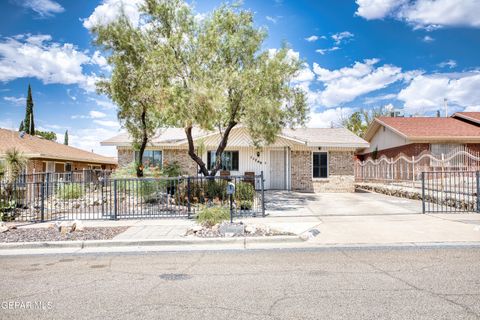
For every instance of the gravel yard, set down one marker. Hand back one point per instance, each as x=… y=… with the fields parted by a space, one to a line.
x=52 y=234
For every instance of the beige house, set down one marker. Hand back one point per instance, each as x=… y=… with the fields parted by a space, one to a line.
x=49 y=156
x=308 y=159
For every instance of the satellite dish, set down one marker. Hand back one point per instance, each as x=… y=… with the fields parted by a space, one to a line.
x=21 y=134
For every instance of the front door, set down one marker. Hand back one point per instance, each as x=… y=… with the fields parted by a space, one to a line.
x=277 y=169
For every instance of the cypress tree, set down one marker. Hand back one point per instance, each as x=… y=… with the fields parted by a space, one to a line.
x=28 y=123
x=21 y=128
x=65 y=139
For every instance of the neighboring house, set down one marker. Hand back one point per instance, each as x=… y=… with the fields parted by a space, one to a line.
x=392 y=136
x=307 y=159
x=49 y=156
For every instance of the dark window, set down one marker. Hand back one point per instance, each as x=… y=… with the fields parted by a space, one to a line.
x=320 y=165
x=229 y=160
x=68 y=167
x=151 y=158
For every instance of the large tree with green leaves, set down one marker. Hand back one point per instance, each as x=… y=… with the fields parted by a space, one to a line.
x=359 y=121
x=65 y=138
x=29 y=123
x=132 y=82
x=215 y=75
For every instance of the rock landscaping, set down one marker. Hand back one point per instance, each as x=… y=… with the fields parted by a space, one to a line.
x=67 y=230
x=237 y=229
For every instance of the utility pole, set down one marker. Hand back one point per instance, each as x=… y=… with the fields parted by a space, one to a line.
x=446 y=107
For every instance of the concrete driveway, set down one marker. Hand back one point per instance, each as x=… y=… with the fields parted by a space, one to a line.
x=366 y=218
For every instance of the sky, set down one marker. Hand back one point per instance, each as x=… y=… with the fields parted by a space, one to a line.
x=403 y=55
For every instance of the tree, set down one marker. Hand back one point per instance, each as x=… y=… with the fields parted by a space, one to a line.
x=212 y=74
x=132 y=84
x=28 y=123
x=48 y=135
x=65 y=138
x=359 y=121
x=15 y=162
x=21 y=127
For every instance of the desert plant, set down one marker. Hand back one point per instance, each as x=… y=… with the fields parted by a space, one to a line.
x=67 y=191
x=2 y=170
x=215 y=189
x=15 y=164
x=246 y=205
x=171 y=169
x=210 y=216
x=244 y=191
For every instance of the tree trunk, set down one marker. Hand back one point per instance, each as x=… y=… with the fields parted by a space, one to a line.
x=143 y=145
x=192 y=153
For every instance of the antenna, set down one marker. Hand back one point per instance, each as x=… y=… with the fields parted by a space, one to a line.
x=446 y=106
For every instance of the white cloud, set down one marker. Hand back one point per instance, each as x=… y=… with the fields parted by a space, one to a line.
x=36 y=56
x=314 y=38
x=426 y=92
x=328 y=118
x=448 y=63
x=428 y=39
x=89 y=139
x=44 y=8
x=110 y=10
x=342 y=37
x=18 y=101
x=429 y=14
x=107 y=123
x=271 y=19
x=346 y=84
x=105 y=104
x=376 y=99
x=101 y=61
x=324 y=51
x=96 y=114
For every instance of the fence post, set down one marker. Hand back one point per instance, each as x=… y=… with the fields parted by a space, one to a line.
x=423 y=192
x=115 y=207
x=42 y=200
x=188 y=197
x=478 y=190
x=263 y=193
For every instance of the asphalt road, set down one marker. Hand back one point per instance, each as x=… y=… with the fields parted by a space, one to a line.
x=293 y=284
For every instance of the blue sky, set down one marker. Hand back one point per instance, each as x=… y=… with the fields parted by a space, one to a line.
x=404 y=54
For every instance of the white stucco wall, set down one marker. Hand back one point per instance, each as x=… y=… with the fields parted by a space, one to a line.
x=385 y=138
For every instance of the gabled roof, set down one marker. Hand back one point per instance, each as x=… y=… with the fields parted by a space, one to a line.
x=35 y=147
x=469 y=116
x=334 y=137
x=427 y=128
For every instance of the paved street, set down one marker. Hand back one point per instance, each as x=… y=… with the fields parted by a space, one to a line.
x=291 y=284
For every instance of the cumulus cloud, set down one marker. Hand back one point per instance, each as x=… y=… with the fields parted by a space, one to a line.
x=38 y=57
x=342 y=37
x=426 y=93
x=18 y=101
x=110 y=10
x=89 y=139
x=448 y=63
x=429 y=14
x=329 y=117
x=345 y=84
x=45 y=8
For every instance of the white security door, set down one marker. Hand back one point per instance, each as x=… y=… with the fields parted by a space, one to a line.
x=277 y=169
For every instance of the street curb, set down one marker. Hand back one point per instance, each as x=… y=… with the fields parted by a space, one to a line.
x=81 y=244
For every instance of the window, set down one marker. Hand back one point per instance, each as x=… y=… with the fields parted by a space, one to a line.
x=68 y=167
x=320 y=165
x=229 y=160
x=151 y=158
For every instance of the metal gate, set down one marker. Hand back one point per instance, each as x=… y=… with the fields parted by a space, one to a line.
x=450 y=192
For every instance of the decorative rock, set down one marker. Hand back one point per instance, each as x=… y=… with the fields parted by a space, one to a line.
x=77 y=226
x=196 y=228
x=250 y=228
x=3 y=227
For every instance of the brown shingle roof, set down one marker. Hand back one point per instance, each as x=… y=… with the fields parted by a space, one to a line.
x=426 y=127
x=35 y=147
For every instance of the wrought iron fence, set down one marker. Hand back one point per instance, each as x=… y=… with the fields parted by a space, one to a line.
x=106 y=198
x=87 y=175
x=450 y=191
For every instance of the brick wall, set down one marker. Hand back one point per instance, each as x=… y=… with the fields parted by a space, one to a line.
x=301 y=171
x=34 y=165
x=412 y=149
x=125 y=157
x=181 y=156
x=340 y=179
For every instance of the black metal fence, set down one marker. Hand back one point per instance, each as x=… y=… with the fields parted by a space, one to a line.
x=133 y=198
x=86 y=175
x=450 y=192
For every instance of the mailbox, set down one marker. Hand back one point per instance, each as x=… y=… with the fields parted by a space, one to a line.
x=230 y=188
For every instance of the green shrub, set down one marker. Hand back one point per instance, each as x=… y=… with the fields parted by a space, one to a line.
x=69 y=191
x=171 y=170
x=244 y=191
x=246 y=205
x=210 y=216
x=215 y=189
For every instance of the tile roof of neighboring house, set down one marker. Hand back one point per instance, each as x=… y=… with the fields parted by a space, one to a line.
x=310 y=136
x=35 y=147
x=470 y=116
x=425 y=128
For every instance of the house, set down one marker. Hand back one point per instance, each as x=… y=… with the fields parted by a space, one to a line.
x=308 y=159
x=392 y=136
x=49 y=156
